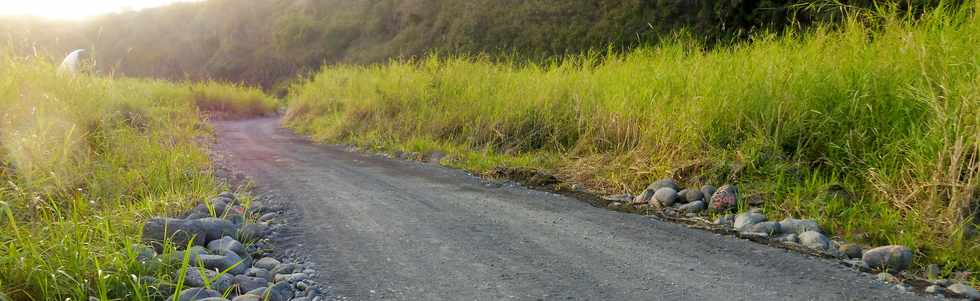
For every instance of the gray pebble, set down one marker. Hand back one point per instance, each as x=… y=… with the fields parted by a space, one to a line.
x=666 y=196
x=788 y=238
x=268 y=216
x=814 y=240
x=690 y=195
x=707 y=191
x=216 y=228
x=247 y=297
x=291 y=278
x=767 y=228
x=259 y=273
x=251 y=232
x=693 y=207
x=195 y=294
x=851 y=250
x=743 y=220
x=227 y=260
x=724 y=199
x=894 y=258
x=663 y=183
x=644 y=196
x=248 y=283
x=227 y=244
x=285 y=268
x=267 y=263
x=798 y=226
x=219 y=283
x=178 y=232
x=965 y=290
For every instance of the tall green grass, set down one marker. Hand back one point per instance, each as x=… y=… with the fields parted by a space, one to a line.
x=84 y=160
x=882 y=105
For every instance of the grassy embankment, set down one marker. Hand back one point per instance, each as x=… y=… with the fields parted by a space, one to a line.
x=83 y=161
x=886 y=107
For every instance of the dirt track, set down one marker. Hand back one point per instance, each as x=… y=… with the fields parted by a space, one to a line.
x=383 y=229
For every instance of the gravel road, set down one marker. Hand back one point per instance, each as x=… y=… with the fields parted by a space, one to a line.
x=382 y=229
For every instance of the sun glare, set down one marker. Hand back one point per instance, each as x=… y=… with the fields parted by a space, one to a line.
x=74 y=9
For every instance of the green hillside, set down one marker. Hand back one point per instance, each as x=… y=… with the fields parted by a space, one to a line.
x=266 y=42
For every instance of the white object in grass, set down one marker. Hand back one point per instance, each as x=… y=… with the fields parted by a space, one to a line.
x=70 y=64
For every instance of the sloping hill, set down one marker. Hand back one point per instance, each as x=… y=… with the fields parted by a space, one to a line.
x=267 y=41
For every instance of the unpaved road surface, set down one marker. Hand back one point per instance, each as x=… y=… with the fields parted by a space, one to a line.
x=381 y=229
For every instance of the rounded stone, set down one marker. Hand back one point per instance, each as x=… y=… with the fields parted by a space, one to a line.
x=285 y=268
x=965 y=290
x=216 y=228
x=247 y=283
x=247 y=297
x=259 y=273
x=267 y=263
x=746 y=219
x=195 y=294
x=788 y=238
x=177 y=232
x=851 y=250
x=665 y=196
x=663 y=183
x=690 y=195
x=644 y=196
x=251 y=232
x=194 y=278
x=693 y=207
x=725 y=199
x=226 y=243
x=894 y=258
x=792 y=225
x=291 y=278
x=228 y=260
x=814 y=240
x=268 y=216
x=708 y=190
x=767 y=228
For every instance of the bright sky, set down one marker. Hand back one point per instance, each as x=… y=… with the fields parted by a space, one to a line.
x=74 y=9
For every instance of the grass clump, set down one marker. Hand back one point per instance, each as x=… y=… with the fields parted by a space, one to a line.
x=232 y=101
x=883 y=107
x=84 y=160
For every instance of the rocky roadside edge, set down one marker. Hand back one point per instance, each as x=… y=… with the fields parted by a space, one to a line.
x=666 y=200
x=229 y=254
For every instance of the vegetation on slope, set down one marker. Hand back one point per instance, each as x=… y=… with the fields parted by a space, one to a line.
x=83 y=161
x=883 y=106
x=269 y=41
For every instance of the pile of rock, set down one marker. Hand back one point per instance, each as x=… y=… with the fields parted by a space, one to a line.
x=808 y=234
x=667 y=195
x=225 y=245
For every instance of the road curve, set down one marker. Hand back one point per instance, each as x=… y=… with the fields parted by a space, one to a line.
x=381 y=229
